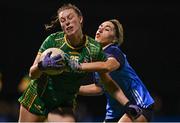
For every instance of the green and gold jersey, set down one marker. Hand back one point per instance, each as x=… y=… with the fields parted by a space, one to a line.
x=60 y=90
x=90 y=51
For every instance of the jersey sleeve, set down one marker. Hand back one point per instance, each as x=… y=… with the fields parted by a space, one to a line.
x=116 y=53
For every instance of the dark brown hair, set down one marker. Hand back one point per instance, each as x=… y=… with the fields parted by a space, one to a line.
x=55 y=21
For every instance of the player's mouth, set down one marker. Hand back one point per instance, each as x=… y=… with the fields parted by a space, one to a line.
x=97 y=35
x=70 y=28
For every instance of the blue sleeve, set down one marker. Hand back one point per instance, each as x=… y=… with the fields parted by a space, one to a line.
x=115 y=52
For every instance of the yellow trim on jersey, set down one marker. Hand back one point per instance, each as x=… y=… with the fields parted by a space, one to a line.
x=65 y=39
x=31 y=102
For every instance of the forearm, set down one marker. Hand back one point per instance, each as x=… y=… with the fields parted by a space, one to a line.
x=34 y=71
x=94 y=66
x=114 y=89
x=110 y=65
x=90 y=90
x=107 y=66
x=120 y=97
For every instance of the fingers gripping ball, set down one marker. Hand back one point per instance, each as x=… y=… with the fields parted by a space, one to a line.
x=52 y=61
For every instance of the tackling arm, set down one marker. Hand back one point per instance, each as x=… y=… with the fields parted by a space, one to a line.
x=110 y=65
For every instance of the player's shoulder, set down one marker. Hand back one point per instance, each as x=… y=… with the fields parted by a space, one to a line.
x=93 y=43
x=114 y=47
x=57 y=35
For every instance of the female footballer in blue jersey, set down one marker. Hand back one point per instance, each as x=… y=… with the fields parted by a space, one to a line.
x=110 y=35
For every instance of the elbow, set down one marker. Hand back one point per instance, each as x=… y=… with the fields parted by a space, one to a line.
x=106 y=68
x=34 y=74
x=109 y=68
x=110 y=65
x=99 y=91
x=31 y=75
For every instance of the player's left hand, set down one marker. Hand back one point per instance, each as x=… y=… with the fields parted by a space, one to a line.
x=74 y=65
x=133 y=111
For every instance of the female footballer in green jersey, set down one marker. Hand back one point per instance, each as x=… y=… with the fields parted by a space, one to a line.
x=53 y=97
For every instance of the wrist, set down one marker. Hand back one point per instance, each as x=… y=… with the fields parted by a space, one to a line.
x=133 y=110
x=127 y=104
x=80 y=67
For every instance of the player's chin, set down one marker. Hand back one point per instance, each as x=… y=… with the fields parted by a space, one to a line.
x=97 y=39
x=70 y=33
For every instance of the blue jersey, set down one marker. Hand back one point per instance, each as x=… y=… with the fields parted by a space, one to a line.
x=129 y=82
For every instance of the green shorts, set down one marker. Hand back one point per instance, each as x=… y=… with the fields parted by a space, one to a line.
x=40 y=99
x=32 y=102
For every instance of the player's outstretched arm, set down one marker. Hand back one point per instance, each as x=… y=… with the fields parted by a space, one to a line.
x=107 y=66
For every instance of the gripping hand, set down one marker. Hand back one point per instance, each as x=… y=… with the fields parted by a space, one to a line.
x=51 y=62
x=73 y=64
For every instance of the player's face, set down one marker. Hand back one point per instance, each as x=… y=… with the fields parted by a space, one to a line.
x=105 y=33
x=70 y=21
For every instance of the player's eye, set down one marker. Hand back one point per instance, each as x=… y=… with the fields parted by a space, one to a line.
x=70 y=17
x=106 y=29
x=62 y=20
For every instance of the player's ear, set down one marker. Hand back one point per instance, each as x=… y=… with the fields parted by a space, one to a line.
x=81 y=19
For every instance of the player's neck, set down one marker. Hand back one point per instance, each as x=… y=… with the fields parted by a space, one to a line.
x=76 y=41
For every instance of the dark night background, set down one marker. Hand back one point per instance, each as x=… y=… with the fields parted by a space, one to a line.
x=151 y=44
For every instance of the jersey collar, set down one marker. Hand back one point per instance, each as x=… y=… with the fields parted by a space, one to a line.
x=107 y=46
x=75 y=48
